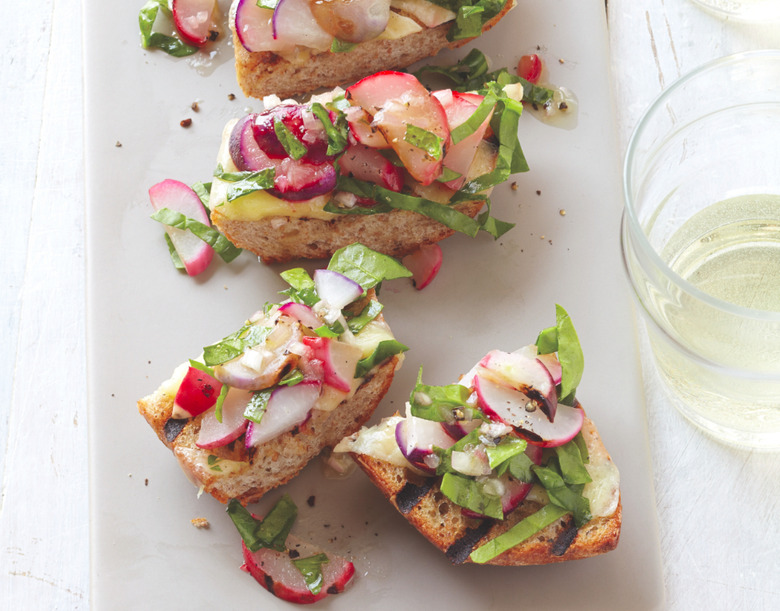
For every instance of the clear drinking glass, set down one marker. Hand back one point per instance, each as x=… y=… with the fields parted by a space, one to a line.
x=701 y=244
x=743 y=10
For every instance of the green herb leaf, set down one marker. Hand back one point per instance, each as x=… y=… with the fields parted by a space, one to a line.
x=438 y=403
x=507 y=448
x=233 y=345
x=466 y=492
x=569 y=497
x=246 y=182
x=172 y=45
x=272 y=531
x=573 y=469
x=384 y=350
x=289 y=142
x=175 y=258
x=425 y=140
x=518 y=533
x=369 y=313
x=269 y=4
x=203 y=191
x=365 y=266
x=341 y=46
x=477 y=118
x=466 y=70
x=220 y=402
x=255 y=409
x=447 y=174
x=311 y=569
x=213 y=462
x=211 y=236
x=337 y=133
x=292 y=378
x=520 y=468
x=301 y=286
x=562 y=338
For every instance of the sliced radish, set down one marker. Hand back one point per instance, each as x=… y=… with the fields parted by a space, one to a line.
x=197 y=392
x=294 y=23
x=368 y=164
x=288 y=407
x=299 y=180
x=461 y=428
x=254 y=27
x=427 y=13
x=524 y=373
x=416 y=438
x=530 y=68
x=301 y=123
x=352 y=20
x=244 y=149
x=302 y=313
x=276 y=572
x=336 y=289
x=514 y=491
x=361 y=129
x=174 y=195
x=373 y=91
x=512 y=407
x=214 y=434
x=553 y=366
x=424 y=264
x=338 y=359
x=196 y=20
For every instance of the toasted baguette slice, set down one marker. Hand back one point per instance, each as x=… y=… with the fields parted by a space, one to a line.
x=263 y=73
x=442 y=522
x=247 y=474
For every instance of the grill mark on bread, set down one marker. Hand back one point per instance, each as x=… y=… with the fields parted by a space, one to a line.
x=461 y=549
x=411 y=494
x=173 y=428
x=564 y=540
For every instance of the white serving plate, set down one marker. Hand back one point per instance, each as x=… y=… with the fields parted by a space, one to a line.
x=144 y=318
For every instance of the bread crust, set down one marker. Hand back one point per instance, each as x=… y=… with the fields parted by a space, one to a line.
x=278 y=239
x=263 y=73
x=444 y=525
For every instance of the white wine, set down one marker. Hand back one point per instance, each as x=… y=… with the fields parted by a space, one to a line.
x=729 y=253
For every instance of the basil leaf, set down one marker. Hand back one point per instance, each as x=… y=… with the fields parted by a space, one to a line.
x=547 y=341
x=203 y=191
x=573 y=469
x=466 y=492
x=341 y=46
x=471 y=67
x=365 y=266
x=445 y=455
x=292 y=378
x=518 y=533
x=246 y=524
x=311 y=569
x=569 y=355
x=568 y=497
x=172 y=45
x=175 y=258
x=583 y=447
x=439 y=403
x=424 y=140
x=492 y=225
x=384 y=350
x=233 y=345
x=326 y=331
x=289 y=142
x=507 y=448
x=213 y=463
x=337 y=133
x=477 y=118
x=468 y=22
x=220 y=401
x=269 y=4
x=211 y=236
x=272 y=531
x=369 y=313
x=448 y=174
x=520 y=468
x=257 y=405
x=246 y=182
x=301 y=286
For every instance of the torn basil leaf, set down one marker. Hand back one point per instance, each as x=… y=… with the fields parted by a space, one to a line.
x=365 y=266
x=466 y=492
x=221 y=245
x=384 y=350
x=255 y=409
x=311 y=569
x=172 y=45
x=337 y=133
x=424 y=140
x=287 y=139
x=369 y=313
x=246 y=182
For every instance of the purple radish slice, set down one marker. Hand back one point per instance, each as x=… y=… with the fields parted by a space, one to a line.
x=276 y=572
x=195 y=254
x=244 y=150
x=553 y=365
x=352 y=20
x=336 y=289
x=299 y=180
x=196 y=20
x=288 y=407
x=460 y=428
x=338 y=360
x=254 y=28
x=302 y=313
x=512 y=407
x=416 y=437
x=524 y=373
x=214 y=434
x=293 y=23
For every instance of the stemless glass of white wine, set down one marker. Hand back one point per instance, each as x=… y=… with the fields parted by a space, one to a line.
x=743 y=10
x=701 y=243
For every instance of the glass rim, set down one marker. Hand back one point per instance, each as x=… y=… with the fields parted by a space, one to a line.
x=633 y=226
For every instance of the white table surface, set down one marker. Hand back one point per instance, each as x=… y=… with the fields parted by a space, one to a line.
x=718 y=507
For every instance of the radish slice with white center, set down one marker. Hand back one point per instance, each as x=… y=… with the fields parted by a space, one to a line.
x=254 y=28
x=461 y=428
x=302 y=313
x=288 y=407
x=244 y=149
x=512 y=407
x=335 y=288
x=417 y=436
x=553 y=365
x=195 y=254
x=276 y=572
x=424 y=264
x=365 y=163
x=196 y=20
x=362 y=131
x=293 y=22
x=338 y=359
x=352 y=20
x=524 y=373
x=214 y=434
x=197 y=392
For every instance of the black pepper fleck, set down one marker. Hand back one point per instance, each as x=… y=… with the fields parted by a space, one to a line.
x=231 y=96
x=310 y=501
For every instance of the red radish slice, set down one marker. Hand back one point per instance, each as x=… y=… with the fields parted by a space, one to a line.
x=302 y=313
x=352 y=20
x=524 y=373
x=553 y=366
x=196 y=20
x=335 y=288
x=194 y=252
x=417 y=436
x=301 y=122
x=370 y=165
x=198 y=392
x=293 y=23
x=276 y=572
x=214 y=434
x=424 y=264
x=373 y=91
x=298 y=180
x=510 y=406
x=254 y=28
x=362 y=131
x=288 y=407
x=338 y=359
x=460 y=428
x=244 y=149
x=530 y=68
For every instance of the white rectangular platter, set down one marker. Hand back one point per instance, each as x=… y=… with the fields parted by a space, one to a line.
x=144 y=318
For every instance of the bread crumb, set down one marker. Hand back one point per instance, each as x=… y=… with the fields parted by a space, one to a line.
x=538 y=191
x=200 y=523
x=231 y=96
x=514 y=186
x=560 y=61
